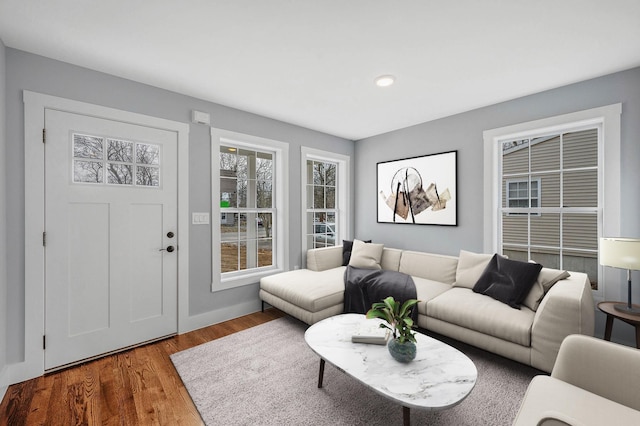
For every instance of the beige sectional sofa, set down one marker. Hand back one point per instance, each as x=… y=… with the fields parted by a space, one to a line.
x=531 y=335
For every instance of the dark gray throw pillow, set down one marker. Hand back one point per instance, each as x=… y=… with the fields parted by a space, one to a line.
x=508 y=281
x=347 y=247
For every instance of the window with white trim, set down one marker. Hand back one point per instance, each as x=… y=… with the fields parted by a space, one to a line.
x=247 y=211
x=321 y=203
x=249 y=215
x=560 y=229
x=325 y=205
x=570 y=220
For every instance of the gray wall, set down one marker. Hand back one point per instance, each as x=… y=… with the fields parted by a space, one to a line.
x=26 y=71
x=463 y=132
x=3 y=244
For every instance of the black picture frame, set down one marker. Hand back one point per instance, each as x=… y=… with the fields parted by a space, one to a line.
x=420 y=190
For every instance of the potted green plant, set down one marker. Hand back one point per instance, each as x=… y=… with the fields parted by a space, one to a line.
x=402 y=346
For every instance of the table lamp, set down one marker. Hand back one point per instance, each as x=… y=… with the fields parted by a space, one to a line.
x=622 y=253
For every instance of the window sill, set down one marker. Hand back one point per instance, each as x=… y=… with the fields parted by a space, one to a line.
x=227 y=283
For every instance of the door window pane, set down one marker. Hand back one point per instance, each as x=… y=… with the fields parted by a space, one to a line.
x=120 y=174
x=147 y=176
x=120 y=151
x=87 y=147
x=87 y=171
x=118 y=164
x=147 y=154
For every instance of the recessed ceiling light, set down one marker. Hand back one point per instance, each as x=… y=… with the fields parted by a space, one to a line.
x=385 y=80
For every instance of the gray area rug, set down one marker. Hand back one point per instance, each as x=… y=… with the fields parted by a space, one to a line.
x=267 y=375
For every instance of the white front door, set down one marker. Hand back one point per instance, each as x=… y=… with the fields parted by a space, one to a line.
x=110 y=241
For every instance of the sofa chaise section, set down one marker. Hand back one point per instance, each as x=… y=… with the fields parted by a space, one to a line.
x=308 y=295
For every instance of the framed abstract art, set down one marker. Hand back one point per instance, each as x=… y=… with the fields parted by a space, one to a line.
x=419 y=190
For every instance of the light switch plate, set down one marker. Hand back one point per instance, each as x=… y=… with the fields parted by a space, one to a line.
x=200 y=218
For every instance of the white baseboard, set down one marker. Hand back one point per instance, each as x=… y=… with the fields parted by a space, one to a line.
x=219 y=315
x=4 y=382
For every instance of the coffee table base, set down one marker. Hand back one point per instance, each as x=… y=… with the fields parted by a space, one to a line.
x=406 y=411
x=321 y=373
x=406 y=416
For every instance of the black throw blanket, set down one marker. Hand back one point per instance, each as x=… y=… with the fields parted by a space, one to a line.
x=364 y=287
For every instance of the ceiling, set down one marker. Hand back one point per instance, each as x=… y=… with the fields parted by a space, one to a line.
x=313 y=62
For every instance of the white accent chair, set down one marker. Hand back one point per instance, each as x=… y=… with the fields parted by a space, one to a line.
x=593 y=382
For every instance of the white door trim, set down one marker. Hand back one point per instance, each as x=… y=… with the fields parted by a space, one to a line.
x=34 y=107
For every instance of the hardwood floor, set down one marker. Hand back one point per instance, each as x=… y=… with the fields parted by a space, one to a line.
x=136 y=387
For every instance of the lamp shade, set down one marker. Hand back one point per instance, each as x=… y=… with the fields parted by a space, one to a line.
x=621 y=253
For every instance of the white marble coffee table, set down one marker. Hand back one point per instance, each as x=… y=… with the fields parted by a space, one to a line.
x=439 y=378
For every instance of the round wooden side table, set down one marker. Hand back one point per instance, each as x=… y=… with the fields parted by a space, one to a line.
x=634 y=320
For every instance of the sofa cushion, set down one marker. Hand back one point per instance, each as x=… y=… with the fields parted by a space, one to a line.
x=435 y=267
x=366 y=255
x=347 y=247
x=546 y=279
x=391 y=259
x=508 y=281
x=310 y=290
x=470 y=268
x=463 y=307
x=427 y=290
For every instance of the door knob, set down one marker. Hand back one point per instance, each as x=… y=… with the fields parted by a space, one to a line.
x=170 y=249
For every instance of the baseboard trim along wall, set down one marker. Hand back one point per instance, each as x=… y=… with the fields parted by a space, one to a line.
x=4 y=382
x=219 y=315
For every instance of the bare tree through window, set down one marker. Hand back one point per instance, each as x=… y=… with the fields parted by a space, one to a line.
x=247 y=203
x=321 y=204
x=120 y=165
